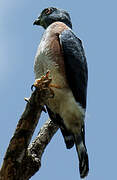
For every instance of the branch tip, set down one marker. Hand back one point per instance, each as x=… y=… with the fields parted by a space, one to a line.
x=27 y=100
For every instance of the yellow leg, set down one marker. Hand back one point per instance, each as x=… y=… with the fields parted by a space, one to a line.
x=45 y=81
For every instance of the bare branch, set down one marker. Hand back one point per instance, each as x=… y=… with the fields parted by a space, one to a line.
x=22 y=160
x=32 y=163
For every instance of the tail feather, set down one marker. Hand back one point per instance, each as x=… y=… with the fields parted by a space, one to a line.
x=82 y=155
x=68 y=138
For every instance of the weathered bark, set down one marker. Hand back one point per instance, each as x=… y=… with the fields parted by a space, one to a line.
x=36 y=149
x=22 y=160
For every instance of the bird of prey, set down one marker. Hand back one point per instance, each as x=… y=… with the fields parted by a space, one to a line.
x=62 y=53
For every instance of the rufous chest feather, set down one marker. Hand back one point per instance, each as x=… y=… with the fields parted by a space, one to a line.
x=50 y=56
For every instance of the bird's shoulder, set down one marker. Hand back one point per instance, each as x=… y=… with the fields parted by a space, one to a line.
x=57 y=28
x=50 y=40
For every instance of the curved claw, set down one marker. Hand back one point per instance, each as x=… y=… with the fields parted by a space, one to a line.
x=32 y=87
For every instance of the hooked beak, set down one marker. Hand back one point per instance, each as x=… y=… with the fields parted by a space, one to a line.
x=37 y=22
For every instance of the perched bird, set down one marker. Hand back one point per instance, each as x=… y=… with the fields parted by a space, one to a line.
x=62 y=53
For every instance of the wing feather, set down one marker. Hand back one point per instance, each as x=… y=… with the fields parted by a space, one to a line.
x=75 y=65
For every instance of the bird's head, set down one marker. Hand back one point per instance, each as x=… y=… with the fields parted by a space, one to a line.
x=51 y=15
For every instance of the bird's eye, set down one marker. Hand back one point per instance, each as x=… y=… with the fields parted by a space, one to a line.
x=48 y=11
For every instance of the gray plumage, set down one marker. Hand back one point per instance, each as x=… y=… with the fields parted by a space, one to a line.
x=62 y=53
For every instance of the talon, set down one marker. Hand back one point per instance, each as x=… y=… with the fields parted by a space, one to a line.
x=44 y=83
x=37 y=81
x=32 y=87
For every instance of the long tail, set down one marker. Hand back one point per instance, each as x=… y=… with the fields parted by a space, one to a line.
x=82 y=154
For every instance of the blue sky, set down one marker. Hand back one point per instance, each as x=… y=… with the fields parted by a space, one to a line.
x=94 y=22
